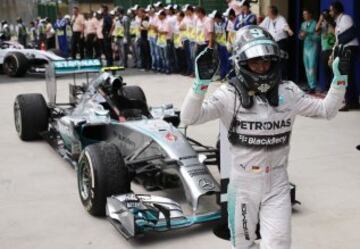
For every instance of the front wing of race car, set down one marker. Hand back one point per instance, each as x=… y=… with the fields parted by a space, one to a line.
x=134 y=214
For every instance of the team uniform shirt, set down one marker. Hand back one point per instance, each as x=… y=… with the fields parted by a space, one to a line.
x=178 y=35
x=189 y=24
x=231 y=32
x=171 y=20
x=50 y=32
x=92 y=26
x=78 y=23
x=119 y=30
x=60 y=26
x=86 y=27
x=163 y=26
x=204 y=28
x=153 y=20
x=343 y=23
x=220 y=33
x=135 y=27
x=276 y=27
x=243 y=20
x=99 y=28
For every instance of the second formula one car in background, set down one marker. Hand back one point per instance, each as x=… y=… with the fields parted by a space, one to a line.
x=16 y=60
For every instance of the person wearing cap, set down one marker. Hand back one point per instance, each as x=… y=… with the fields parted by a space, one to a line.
x=204 y=30
x=163 y=30
x=21 y=31
x=220 y=41
x=179 y=43
x=158 y=6
x=246 y=17
x=152 y=36
x=230 y=29
x=77 y=41
x=189 y=38
x=60 y=28
x=278 y=27
x=236 y=5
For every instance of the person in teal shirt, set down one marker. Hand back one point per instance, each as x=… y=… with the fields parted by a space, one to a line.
x=311 y=49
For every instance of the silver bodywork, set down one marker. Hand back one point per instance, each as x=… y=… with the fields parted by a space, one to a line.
x=146 y=141
x=30 y=54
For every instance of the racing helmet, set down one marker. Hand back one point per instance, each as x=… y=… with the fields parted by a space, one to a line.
x=255 y=42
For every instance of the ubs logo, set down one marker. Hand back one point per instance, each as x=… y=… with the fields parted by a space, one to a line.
x=206 y=184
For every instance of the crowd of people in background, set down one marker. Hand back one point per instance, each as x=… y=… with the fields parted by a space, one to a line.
x=167 y=38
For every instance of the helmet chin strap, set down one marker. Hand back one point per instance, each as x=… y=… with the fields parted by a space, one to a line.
x=247 y=97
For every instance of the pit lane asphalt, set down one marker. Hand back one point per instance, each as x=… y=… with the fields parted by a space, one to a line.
x=40 y=207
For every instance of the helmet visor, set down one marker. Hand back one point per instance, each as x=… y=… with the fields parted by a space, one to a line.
x=254 y=50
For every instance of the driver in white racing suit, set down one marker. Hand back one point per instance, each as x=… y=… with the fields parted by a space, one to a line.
x=259 y=110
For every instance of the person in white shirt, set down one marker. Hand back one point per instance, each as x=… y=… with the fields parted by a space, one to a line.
x=189 y=42
x=278 y=27
x=152 y=36
x=345 y=33
x=171 y=19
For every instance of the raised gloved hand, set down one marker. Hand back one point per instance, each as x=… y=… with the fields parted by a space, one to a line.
x=341 y=67
x=206 y=65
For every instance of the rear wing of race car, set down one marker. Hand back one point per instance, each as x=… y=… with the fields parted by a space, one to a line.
x=68 y=67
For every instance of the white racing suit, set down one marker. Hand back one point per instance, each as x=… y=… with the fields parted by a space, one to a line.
x=259 y=188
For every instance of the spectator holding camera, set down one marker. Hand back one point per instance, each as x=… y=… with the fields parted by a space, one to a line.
x=326 y=27
x=345 y=33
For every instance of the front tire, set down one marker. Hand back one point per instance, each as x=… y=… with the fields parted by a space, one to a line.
x=31 y=116
x=15 y=64
x=101 y=172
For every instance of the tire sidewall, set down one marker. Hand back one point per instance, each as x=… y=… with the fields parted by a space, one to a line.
x=6 y=68
x=95 y=197
x=105 y=181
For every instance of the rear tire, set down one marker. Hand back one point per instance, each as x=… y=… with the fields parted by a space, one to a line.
x=101 y=173
x=31 y=116
x=15 y=64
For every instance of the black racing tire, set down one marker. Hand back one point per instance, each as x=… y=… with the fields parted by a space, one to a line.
x=134 y=93
x=31 y=116
x=15 y=64
x=101 y=172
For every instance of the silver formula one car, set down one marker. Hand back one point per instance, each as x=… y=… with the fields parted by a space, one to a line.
x=16 y=60
x=111 y=136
